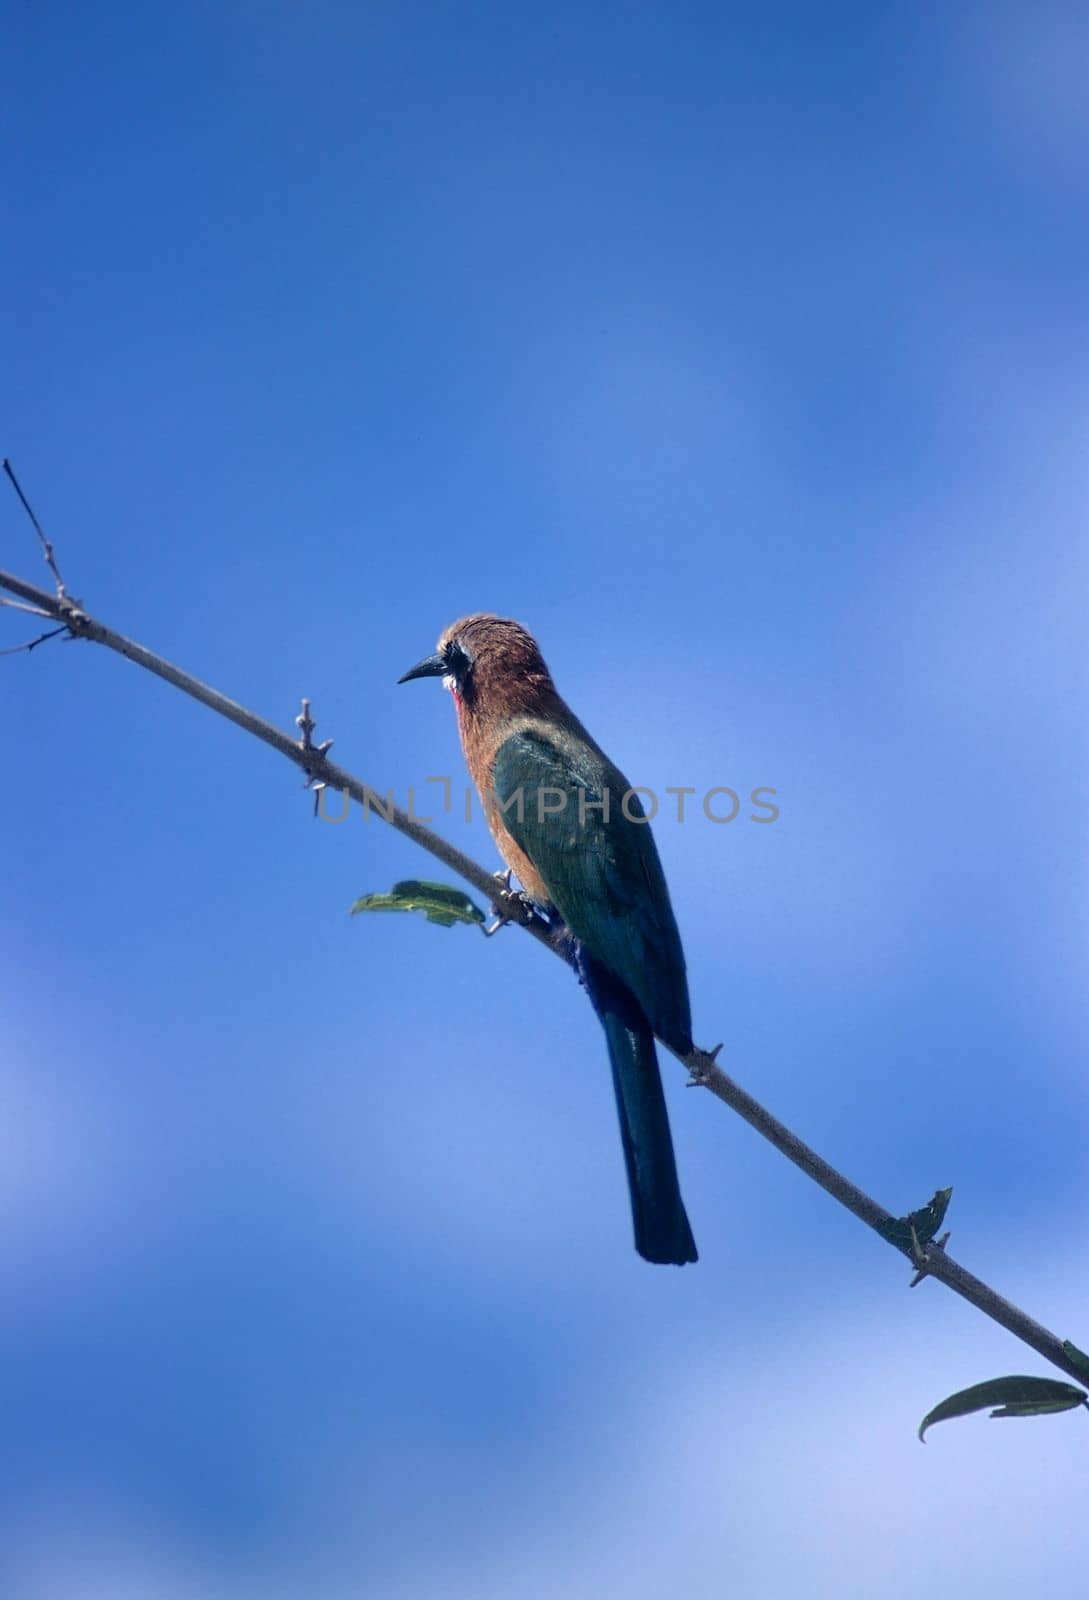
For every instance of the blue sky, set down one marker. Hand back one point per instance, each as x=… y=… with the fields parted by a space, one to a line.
x=743 y=357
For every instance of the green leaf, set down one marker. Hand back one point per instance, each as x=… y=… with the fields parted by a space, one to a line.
x=1014 y=1397
x=925 y=1222
x=1078 y=1357
x=439 y=902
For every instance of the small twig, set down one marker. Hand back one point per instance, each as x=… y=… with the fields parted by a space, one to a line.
x=19 y=605
x=306 y=725
x=32 y=644
x=30 y=611
x=47 y=548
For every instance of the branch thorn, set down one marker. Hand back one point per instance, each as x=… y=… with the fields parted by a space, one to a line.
x=699 y=1064
x=920 y=1255
x=306 y=724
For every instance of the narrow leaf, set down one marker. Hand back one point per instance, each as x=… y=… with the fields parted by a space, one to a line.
x=1014 y=1397
x=439 y=902
x=926 y=1222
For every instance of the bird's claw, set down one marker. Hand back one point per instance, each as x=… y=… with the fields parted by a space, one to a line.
x=509 y=905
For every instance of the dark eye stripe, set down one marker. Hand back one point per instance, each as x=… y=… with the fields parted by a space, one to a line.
x=457 y=661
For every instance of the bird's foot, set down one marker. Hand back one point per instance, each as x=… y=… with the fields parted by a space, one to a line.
x=509 y=905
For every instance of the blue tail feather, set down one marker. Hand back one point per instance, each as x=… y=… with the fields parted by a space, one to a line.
x=662 y=1231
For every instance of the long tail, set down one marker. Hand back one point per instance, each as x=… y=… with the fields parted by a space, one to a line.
x=662 y=1231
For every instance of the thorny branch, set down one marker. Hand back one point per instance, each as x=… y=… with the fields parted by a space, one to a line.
x=929 y=1260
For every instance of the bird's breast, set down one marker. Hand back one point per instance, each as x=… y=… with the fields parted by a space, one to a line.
x=480 y=741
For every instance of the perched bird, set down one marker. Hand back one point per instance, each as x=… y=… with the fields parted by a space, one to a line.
x=567 y=824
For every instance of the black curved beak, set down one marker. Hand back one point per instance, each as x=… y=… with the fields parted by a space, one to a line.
x=429 y=667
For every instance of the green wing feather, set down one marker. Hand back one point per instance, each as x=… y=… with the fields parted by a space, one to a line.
x=603 y=874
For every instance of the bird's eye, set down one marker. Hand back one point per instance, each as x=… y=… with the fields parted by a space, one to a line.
x=456 y=661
